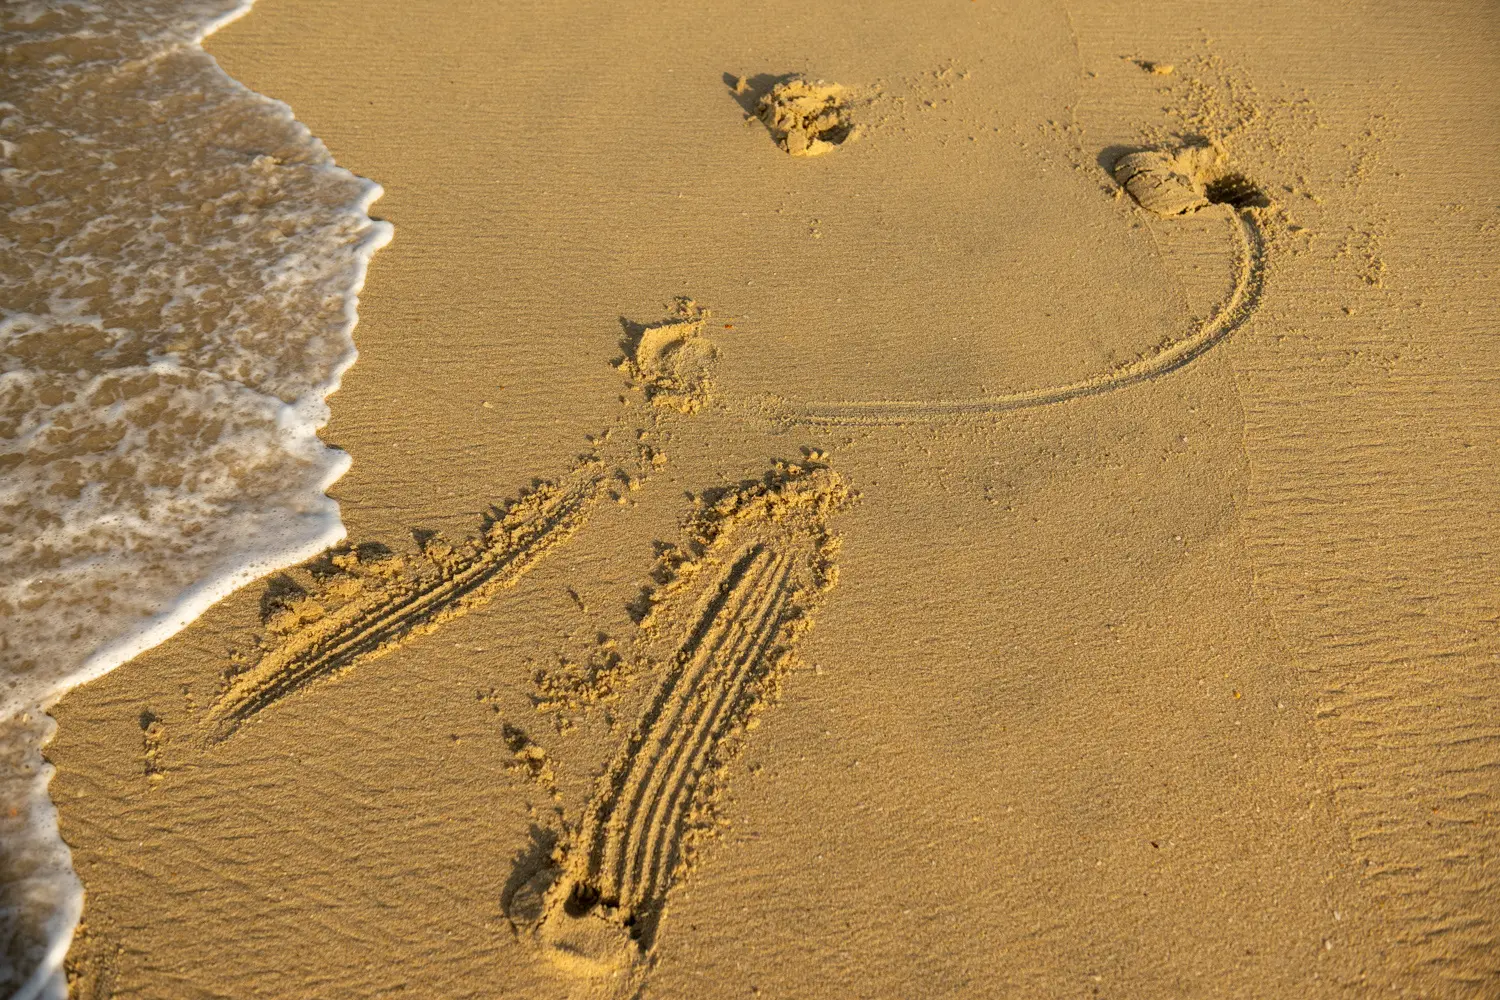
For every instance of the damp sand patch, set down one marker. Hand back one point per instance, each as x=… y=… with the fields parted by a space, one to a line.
x=180 y=280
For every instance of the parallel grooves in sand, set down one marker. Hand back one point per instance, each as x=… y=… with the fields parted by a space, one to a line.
x=723 y=602
x=680 y=745
x=369 y=628
x=739 y=600
x=636 y=831
x=1236 y=311
x=658 y=856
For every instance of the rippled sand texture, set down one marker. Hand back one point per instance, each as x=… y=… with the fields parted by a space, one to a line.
x=178 y=279
x=1369 y=432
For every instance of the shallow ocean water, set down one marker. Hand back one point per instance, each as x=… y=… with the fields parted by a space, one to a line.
x=179 y=273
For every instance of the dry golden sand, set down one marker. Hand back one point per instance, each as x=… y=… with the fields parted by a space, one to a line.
x=1182 y=686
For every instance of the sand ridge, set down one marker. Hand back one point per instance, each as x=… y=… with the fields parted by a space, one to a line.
x=718 y=634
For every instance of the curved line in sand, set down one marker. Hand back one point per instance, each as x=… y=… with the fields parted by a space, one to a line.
x=1241 y=304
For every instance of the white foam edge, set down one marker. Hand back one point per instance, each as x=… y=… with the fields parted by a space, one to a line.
x=224 y=580
x=48 y=978
x=223 y=19
x=220 y=582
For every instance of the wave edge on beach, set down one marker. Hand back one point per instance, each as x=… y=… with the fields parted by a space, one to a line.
x=181 y=287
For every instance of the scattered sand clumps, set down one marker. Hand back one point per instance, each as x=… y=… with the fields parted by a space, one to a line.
x=806 y=117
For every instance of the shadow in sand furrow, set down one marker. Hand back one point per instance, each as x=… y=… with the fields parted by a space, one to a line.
x=720 y=635
x=400 y=598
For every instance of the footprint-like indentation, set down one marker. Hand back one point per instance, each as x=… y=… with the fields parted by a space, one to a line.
x=672 y=361
x=719 y=635
x=1183 y=180
x=808 y=117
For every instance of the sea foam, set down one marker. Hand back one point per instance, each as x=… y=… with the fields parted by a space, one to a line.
x=179 y=273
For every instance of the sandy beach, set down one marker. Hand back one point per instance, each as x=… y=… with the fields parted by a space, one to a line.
x=823 y=522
